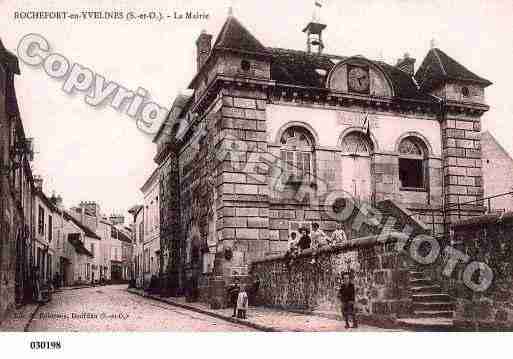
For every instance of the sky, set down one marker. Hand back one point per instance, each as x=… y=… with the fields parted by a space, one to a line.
x=86 y=153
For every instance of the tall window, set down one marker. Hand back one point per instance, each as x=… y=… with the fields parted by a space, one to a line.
x=412 y=173
x=296 y=155
x=141 y=232
x=92 y=249
x=50 y=229
x=49 y=268
x=157 y=214
x=146 y=220
x=41 y=221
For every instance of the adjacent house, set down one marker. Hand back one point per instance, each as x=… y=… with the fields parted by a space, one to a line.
x=150 y=249
x=497 y=174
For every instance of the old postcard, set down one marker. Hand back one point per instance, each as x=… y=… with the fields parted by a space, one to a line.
x=255 y=166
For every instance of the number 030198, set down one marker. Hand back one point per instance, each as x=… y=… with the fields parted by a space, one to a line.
x=45 y=345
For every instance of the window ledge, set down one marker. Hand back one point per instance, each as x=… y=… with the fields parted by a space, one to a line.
x=413 y=189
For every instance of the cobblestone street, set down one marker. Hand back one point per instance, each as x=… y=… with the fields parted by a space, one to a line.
x=112 y=308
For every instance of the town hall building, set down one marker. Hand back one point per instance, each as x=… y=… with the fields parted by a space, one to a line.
x=265 y=135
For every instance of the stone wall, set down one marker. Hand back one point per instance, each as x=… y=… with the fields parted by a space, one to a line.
x=171 y=243
x=486 y=239
x=462 y=165
x=381 y=278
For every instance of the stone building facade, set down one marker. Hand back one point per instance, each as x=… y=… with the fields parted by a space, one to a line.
x=269 y=137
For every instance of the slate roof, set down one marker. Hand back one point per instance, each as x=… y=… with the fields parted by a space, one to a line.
x=438 y=66
x=74 y=239
x=404 y=84
x=234 y=36
x=123 y=237
x=88 y=231
x=297 y=67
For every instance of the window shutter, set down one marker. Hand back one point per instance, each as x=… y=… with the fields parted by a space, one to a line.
x=290 y=164
x=306 y=166
x=300 y=166
x=287 y=163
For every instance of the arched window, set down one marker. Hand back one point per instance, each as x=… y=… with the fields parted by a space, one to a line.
x=356 y=143
x=297 y=148
x=412 y=168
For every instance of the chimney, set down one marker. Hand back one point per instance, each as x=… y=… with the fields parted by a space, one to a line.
x=406 y=64
x=203 y=47
x=56 y=200
x=38 y=183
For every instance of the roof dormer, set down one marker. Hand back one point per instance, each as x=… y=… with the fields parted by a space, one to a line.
x=360 y=76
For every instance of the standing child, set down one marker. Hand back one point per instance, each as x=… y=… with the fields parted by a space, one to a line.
x=233 y=293
x=242 y=303
x=346 y=295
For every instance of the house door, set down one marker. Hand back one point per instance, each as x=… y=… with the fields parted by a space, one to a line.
x=356 y=177
x=356 y=166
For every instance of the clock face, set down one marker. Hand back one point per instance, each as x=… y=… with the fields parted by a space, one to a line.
x=358 y=79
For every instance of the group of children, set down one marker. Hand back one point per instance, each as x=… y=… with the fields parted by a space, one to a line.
x=315 y=239
x=239 y=299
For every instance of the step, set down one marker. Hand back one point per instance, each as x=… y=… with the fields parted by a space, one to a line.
x=436 y=306
x=417 y=275
x=431 y=297
x=427 y=324
x=433 y=313
x=421 y=282
x=427 y=289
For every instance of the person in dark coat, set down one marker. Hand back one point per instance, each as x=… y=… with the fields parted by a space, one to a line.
x=347 y=298
x=233 y=294
x=305 y=240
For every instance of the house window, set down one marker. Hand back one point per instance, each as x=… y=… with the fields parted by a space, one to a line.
x=141 y=232
x=412 y=174
x=92 y=249
x=50 y=229
x=296 y=155
x=49 y=268
x=41 y=221
x=113 y=232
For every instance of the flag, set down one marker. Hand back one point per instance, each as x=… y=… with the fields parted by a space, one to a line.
x=318 y=4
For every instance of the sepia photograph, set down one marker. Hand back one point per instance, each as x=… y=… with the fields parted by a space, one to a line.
x=255 y=166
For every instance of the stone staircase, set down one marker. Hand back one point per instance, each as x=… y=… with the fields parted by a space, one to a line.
x=432 y=308
x=428 y=299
